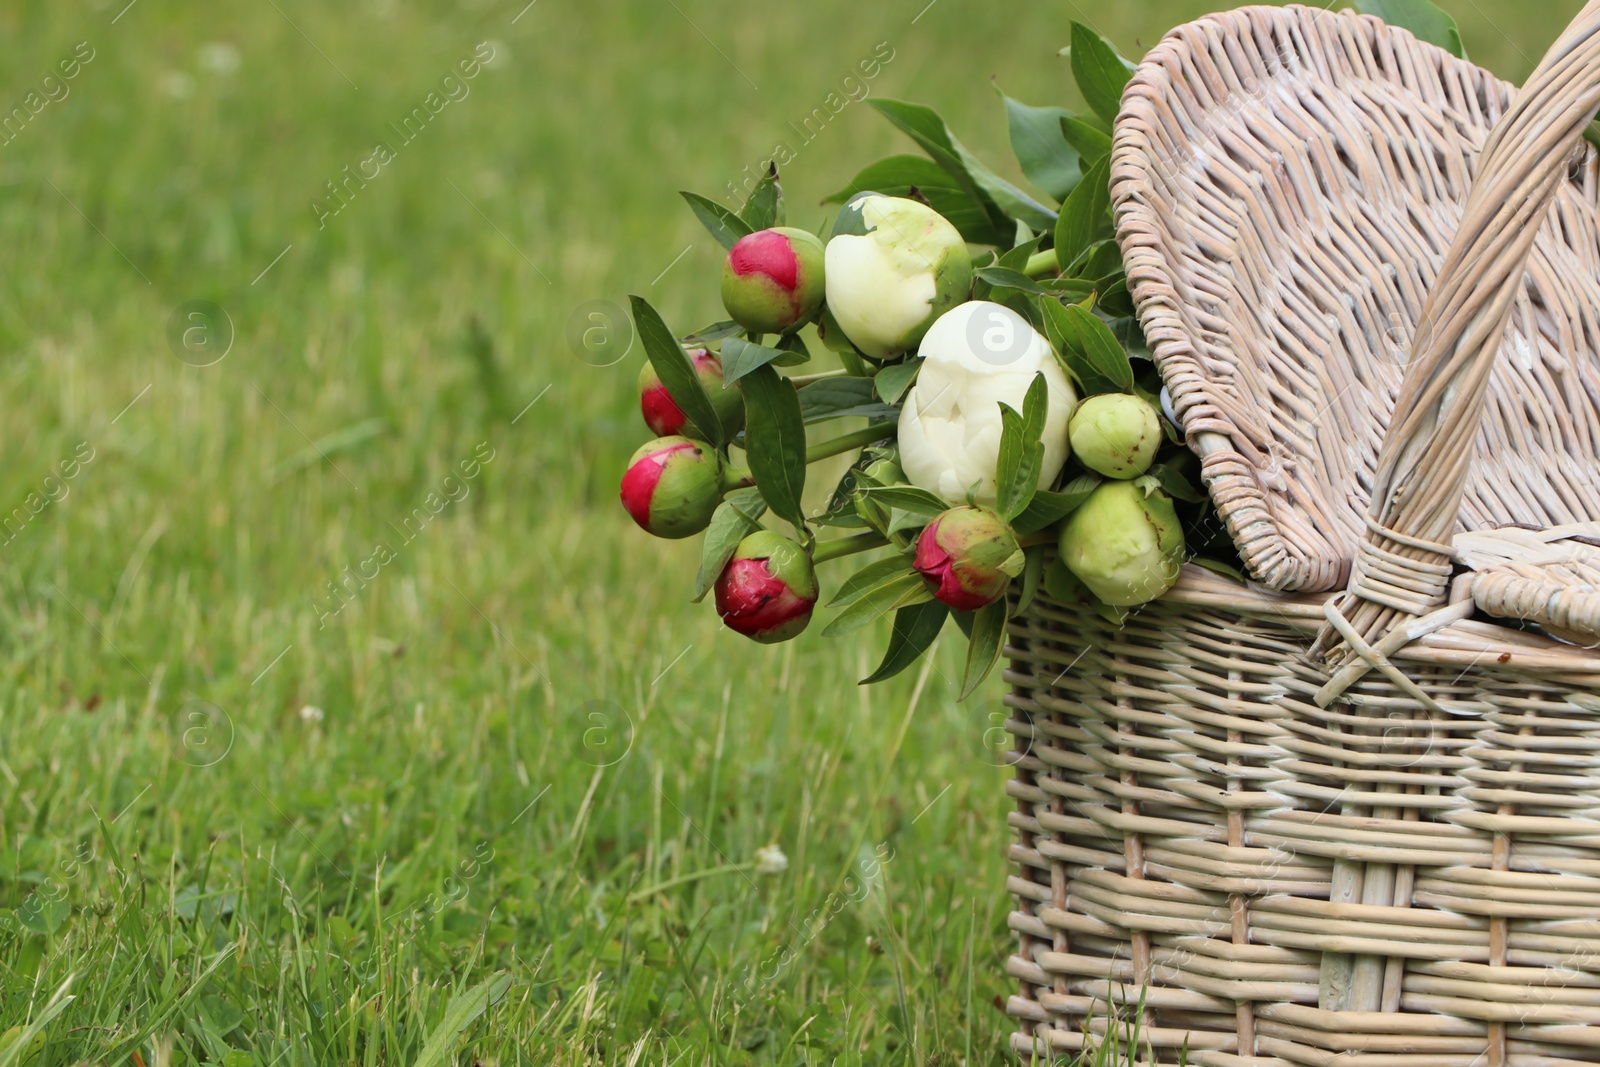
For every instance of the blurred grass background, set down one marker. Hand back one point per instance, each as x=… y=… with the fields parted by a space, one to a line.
x=247 y=829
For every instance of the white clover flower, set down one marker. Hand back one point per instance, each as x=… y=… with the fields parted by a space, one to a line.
x=771 y=860
x=219 y=57
x=310 y=713
x=975 y=358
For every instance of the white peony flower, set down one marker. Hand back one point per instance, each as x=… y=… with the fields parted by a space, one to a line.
x=891 y=268
x=975 y=358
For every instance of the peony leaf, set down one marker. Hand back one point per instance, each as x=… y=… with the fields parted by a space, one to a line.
x=1007 y=278
x=734 y=518
x=836 y=398
x=1084 y=215
x=1001 y=200
x=676 y=372
x=1021 y=454
x=723 y=224
x=983 y=647
x=1426 y=21
x=1094 y=355
x=1047 y=508
x=775 y=442
x=907 y=498
x=899 y=175
x=898 y=592
x=869 y=578
x=740 y=357
x=1032 y=570
x=892 y=382
x=1047 y=160
x=914 y=631
x=764 y=207
x=1092 y=145
x=1100 y=72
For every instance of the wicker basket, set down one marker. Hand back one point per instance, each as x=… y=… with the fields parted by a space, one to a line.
x=1348 y=814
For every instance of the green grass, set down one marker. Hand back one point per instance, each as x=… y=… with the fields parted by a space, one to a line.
x=522 y=827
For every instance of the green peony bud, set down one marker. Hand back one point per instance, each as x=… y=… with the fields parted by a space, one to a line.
x=968 y=556
x=1115 y=434
x=772 y=279
x=1125 y=546
x=672 y=486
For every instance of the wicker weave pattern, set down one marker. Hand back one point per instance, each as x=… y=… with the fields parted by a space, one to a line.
x=1288 y=182
x=1185 y=811
x=1391 y=859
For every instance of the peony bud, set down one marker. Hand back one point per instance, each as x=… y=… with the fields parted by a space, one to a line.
x=768 y=588
x=1125 y=546
x=968 y=556
x=975 y=358
x=1115 y=434
x=661 y=412
x=672 y=486
x=772 y=280
x=894 y=266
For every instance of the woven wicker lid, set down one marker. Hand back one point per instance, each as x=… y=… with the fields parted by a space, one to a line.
x=1284 y=206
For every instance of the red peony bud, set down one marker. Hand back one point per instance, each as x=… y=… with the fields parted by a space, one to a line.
x=661 y=412
x=768 y=588
x=772 y=280
x=672 y=486
x=968 y=556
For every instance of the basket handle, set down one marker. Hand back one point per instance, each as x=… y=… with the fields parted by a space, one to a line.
x=1403 y=565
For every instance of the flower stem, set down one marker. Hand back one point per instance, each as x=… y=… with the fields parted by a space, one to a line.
x=800 y=381
x=846 y=546
x=876 y=431
x=693 y=876
x=1041 y=263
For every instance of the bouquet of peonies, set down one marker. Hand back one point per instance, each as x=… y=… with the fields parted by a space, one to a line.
x=1016 y=431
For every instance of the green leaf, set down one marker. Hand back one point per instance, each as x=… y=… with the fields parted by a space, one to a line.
x=734 y=518
x=1084 y=214
x=462 y=1012
x=1426 y=21
x=899 y=175
x=915 y=628
x=1006 y=278
x=45 y=910
x=676 y=372
x=1021 y=454
x=775 y=442
x=1001 y=200
x=983 y=647
x=836 y=398
x=1032 y=570
x=1017 y=258
x=1172 y=481
x=723 y=224
x=1047 y=508
x=892 y=382
x=1100 y=72
x=1091 y=350
x=715 y=332
x=899 y=592
x=1092 y=145
x=764 y=207
x=907 y=498
x=1046 y=158
x=794 y=350
x=740 y=357
x=869 y=578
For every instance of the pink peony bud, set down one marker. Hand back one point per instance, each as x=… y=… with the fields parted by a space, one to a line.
x=968 y=556
x=772 y=280
x=661 y=412
x=672 y=486
x=768 y=588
